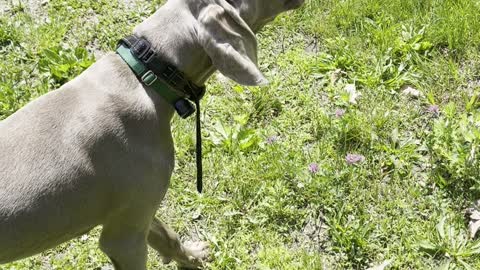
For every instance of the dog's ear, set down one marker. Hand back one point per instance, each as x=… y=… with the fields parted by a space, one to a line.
x=230 y=44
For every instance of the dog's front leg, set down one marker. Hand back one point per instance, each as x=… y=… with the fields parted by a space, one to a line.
x=167 y=243
x=124 y=238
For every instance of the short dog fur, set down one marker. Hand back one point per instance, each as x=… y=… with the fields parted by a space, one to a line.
x=99 y=150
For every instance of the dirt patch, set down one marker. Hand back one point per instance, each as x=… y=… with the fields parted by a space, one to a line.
x=3 y=7
x=313 y=236
x=37 y=8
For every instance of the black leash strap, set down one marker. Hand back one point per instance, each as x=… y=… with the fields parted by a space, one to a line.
x=199 y=148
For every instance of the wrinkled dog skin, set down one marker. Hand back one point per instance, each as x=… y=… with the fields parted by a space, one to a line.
x=99 y=151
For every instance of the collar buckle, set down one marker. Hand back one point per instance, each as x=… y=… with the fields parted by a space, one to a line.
x=148 y=56
x=149 y=78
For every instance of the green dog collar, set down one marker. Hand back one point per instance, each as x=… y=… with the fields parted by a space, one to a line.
x=147 y=76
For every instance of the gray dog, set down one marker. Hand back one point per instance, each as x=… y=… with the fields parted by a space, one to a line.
x=99 y=150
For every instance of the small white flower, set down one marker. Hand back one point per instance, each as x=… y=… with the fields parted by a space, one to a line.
x=412 y=92
x=351 y=89
x=381 y=266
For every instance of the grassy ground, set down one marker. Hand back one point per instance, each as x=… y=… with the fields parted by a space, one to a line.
x=363 y=151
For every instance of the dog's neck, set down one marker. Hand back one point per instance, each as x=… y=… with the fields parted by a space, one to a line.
x=171 y=31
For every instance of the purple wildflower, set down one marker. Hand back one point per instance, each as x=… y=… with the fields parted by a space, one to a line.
x=354 y=159
x=272 y=139
x=434 y=109
x=339 y=113
x=313 y=168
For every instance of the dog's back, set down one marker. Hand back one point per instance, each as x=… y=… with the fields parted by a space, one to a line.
x=34 y=146
x=41 y=157
x=67 y=157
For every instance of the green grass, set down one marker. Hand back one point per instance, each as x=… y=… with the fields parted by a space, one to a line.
x=263 y=207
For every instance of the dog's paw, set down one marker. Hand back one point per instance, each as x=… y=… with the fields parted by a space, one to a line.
x=195 y=255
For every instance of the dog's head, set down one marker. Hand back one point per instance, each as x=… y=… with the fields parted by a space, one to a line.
x=226 y=32
x=257 y=13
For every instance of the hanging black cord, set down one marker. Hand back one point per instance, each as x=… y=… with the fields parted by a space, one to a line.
x=199 y=148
